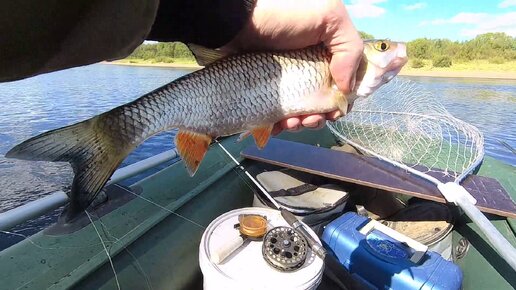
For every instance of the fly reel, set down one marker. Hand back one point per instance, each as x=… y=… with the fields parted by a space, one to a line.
x=284 y=249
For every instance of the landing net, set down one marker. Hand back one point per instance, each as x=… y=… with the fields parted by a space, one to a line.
x=406 y=126
x=402 y=123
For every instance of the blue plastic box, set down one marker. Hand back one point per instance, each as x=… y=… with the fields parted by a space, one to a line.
x=381 y=258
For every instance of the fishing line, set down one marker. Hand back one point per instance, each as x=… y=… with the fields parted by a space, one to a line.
x=140 y=268
x=116 y=240
x=263 y=190
x=108 y=233
x=28 y=238
x=315 y=245
x=25 y=237
x=168 y=210
x=105 y=249
x=238 y=172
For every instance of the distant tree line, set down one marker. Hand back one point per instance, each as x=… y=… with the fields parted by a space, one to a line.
x=162 y=52
x=494 y=47
x=365 y=35
x=169 y=51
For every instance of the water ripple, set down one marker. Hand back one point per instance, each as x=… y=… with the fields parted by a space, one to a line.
x=49 y=101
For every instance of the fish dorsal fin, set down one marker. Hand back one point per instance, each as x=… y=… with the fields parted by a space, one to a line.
x=204 y=55
x=192 y=147
x=262 y=135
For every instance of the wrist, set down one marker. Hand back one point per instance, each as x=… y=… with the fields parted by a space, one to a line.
x=211 y=23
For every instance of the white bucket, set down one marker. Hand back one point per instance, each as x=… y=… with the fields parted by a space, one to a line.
x=246 y=268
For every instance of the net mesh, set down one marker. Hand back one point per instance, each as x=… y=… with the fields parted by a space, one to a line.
x=402 y=122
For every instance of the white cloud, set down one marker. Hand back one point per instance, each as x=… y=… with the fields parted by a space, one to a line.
x=415 y=6
x=507 y=3
x=479 y=23
x=365 y=8
x=438 y=21
x=496 y=23
x=461 y=18
x=469 y=18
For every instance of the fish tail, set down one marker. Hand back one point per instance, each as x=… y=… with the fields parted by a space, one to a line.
x=91 y=152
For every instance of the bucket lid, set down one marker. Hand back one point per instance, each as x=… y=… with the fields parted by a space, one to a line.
x=247 y=264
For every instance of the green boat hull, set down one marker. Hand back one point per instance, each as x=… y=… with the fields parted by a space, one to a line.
x=153 y=241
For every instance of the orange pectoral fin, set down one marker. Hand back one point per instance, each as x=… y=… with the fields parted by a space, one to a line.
x=262 y=135
x=192 y=147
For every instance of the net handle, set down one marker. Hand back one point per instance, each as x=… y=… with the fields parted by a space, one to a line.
x=459 y=197
x=497 y=240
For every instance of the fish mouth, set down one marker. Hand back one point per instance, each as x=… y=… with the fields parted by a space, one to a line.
x=393 y=69
x=381 y=76
x=381 y=70
x=397 y=63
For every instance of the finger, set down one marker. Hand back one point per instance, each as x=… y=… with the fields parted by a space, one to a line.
x=346 y=47
x=290 y=123
x=332 y=116
x=343 y=67
x=313 y=121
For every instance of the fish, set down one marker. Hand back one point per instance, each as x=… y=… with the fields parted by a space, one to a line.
x=245 y=93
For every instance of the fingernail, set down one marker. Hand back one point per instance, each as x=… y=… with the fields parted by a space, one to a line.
x=338 y=115
x=295 y=129
x=312 y=125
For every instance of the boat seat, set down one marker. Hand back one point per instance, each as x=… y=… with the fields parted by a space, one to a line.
x=313 y=202
x=368 y=171
x=288 y=190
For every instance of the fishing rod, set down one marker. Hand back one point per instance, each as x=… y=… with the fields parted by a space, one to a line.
x=291 y=219
x=343 y=278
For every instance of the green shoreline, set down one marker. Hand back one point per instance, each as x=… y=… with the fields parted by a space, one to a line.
x=154 y=64
x=461 y=74
x=449 y=73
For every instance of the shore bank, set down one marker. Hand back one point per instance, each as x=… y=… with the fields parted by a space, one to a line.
x=156 y=64
x=510 y=75
x=460 y=74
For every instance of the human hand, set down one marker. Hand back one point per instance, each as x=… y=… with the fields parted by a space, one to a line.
x=295 y=24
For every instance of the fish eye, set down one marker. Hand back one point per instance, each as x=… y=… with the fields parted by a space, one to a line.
x=381 y=46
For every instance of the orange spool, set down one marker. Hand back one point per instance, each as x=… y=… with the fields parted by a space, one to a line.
x=252 y=226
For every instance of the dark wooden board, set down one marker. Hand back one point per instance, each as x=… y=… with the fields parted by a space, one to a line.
x=491 y=196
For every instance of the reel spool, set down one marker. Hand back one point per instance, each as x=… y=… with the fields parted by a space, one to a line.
x=284 y=249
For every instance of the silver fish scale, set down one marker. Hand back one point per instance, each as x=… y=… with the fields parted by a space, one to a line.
x=228 y=97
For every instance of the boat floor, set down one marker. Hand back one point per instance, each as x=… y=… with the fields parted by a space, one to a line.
x=153 y=240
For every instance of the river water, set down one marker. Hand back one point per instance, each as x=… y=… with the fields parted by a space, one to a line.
x=49 y=101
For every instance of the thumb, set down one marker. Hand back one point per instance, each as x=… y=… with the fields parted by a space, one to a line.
x=346 y=47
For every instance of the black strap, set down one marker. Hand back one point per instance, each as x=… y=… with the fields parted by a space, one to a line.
x=294 y=191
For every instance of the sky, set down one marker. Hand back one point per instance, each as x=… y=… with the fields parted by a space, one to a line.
x=405 y=20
